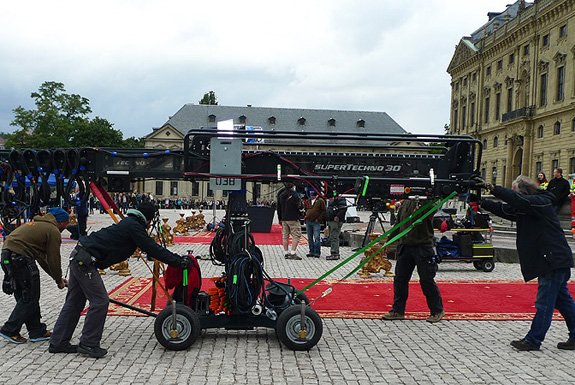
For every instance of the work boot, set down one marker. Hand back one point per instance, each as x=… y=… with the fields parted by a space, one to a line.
x=63 y=349
x=393 y=315
x=435 y=317
x=568 y=345
x=523 y=345
x=92 y=351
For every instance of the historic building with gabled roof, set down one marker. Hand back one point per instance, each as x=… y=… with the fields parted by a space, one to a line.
x=194 y=116
x=513 y=88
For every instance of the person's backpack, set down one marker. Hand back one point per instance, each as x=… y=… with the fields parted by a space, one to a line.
x=173 y=278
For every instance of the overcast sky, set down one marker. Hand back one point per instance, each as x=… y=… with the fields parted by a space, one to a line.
x=140 y=61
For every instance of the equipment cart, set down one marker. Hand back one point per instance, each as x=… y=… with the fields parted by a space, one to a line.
x=469 y=245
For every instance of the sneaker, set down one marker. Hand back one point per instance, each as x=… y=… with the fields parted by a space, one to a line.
x=332 y=257
x=569 y=345
x=92 y=351
x=17 y=339
x=393 y=315
x=435 y=317
x=45 y=337
x=293 y=256
x=523 y=345
x=63 y=349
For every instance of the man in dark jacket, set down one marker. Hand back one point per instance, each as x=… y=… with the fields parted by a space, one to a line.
x=559 y=186
x=415 y=249
x=289 y=206
x=335 y=217
x=36 y=241
x=100 y=250
x=543 y=254
x=314 y=216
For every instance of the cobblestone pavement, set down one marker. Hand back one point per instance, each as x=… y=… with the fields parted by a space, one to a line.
x=351 y=351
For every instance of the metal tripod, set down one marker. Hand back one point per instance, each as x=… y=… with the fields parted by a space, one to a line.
x=375 y=216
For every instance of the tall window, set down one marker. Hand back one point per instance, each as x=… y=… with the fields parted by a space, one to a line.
x=159 y=187
x=472 y=117
x=546 y=40
x=463 y=113
x=557 y=128
x=488 y=71
x=500 y=64
x=510 y=99
x=540 y=132
x=573 y=125
x=196 y=188
x=543 y=95
x=526 y=50
x=497 y=105
x=563 y=31
x=484 y=144
x=512 y=58
x=455 y=116
x=571 y=165
x=174 y=188
x=538 y=167
x=496 y=141
x=494 y=175
x=560 y=82
x=554 y=165
x=486 y=110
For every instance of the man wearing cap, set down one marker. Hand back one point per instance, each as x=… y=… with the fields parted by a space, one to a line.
x=39 y=241
x=100 y=250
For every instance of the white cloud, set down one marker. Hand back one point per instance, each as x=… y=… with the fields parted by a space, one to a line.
x=139 y=61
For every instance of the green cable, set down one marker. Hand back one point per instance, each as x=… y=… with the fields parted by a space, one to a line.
x=377 y=241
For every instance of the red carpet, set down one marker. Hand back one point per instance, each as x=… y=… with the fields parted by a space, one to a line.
x=462 y=300
x=205 y=238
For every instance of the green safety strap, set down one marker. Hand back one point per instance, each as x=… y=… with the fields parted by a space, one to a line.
x=422 y=209
x=185 y=278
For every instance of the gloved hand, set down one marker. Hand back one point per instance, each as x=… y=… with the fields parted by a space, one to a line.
x=185 y=263
x=481 y=183
x=7 y=287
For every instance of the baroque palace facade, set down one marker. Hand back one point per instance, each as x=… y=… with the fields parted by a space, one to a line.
x=194 y=116
x=513 y=88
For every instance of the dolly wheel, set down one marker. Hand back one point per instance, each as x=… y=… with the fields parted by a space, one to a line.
x=288 y=328
x=488 y=265
x=301 y=298
x=187 y=328
x=478 y=265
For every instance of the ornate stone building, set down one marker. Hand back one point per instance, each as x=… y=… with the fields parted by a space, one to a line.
x=513 y=88
x=193 y=116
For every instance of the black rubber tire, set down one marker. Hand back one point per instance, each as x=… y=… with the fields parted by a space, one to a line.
x=187 y=324
x=288 y=326
x=488 y=265
x=478 y=265
x=301 y=297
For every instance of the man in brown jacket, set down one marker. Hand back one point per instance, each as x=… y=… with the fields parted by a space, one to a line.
x=39 y=241
x=314 y=216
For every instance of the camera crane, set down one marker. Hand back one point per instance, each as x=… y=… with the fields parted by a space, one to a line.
x=375 y=167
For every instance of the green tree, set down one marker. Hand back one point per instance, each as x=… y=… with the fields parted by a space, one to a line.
x=210 y=99
x=60 y=120
x=133 y=142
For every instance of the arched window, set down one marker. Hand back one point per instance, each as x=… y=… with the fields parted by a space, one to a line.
x=495 y=141
x=484 y=144
x=242 y=119
x=212 y=118
x=272 y=120
x=557 y=128
x=540 y=132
